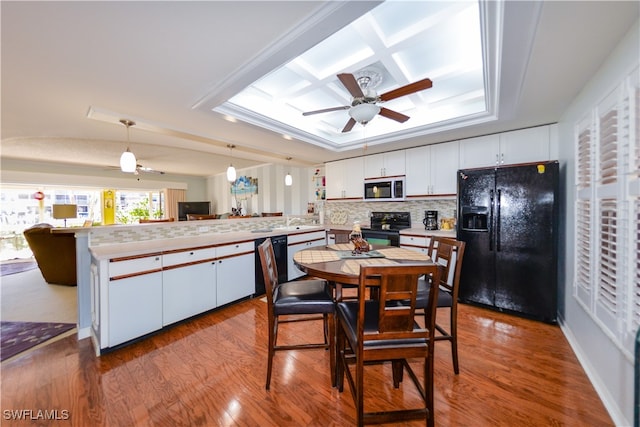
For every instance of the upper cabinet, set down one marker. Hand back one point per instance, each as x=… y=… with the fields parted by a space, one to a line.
x=520 y=146
x=431 y=169
x=344 y=179
x=384 y=164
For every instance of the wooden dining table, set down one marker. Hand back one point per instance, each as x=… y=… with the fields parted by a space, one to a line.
x=341 y=267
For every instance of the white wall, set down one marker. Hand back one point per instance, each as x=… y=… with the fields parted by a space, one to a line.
x=42 y=174
x=609 y=370
x=273 y=195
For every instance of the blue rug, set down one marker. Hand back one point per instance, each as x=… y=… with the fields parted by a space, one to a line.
x=16 y=337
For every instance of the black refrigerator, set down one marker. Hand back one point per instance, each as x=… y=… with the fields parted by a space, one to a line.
x=508 y=217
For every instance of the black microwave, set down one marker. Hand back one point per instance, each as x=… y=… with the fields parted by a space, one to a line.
x=384 y=189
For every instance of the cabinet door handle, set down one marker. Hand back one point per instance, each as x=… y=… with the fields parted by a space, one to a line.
x=190 y=253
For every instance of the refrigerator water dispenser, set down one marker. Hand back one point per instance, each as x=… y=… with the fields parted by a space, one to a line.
x=475 y=218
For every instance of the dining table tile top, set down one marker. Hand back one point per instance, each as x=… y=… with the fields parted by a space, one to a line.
x=352 y=266
x=404 y=254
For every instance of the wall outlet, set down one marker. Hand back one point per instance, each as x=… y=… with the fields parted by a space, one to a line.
x=203 y=229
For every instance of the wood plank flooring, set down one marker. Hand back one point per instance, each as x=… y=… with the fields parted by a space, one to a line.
x=210 y=371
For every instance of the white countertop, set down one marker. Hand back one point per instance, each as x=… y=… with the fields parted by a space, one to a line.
x=165 y=245
x=422 y=232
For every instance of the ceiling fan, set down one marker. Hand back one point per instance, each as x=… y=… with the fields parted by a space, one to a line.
x=140 y=169
x=364 y=105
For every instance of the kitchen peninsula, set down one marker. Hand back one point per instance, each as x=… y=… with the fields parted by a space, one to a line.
x=146 y=277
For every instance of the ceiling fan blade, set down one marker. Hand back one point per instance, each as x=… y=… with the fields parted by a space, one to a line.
x=350 y=82
x=393 y=115
x=407 y=90
x=350 y=124
x=326 y=110
x=141 y=168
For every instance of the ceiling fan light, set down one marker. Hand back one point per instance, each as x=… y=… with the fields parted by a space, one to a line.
x=363 y=113
x=288 y=180
x=231 y=173
x=128 y=162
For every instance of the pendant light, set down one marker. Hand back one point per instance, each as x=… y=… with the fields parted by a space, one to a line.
x=231 y=171
x=128 y=161
x=288 y=180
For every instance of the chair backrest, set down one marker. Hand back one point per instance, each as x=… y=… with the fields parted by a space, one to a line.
x=449 y=253
x=147 y=221
x=195 y=217
x=269 y=269
x=397 y=285
x=271 y=213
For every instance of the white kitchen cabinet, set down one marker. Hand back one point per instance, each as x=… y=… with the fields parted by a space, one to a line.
x=135 y=295
x=188 y=284
x=384 y=164
x=520 y=146
x=345 y=179
x=415 y=242
x=297 y=242
x=431 y=169
x=235 y=272
x=134 y=300
x=525 y=145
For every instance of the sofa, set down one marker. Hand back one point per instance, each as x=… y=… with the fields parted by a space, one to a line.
x=55 y=254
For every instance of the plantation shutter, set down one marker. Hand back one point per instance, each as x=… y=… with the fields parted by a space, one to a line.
x=583 y=211
x=607 y=213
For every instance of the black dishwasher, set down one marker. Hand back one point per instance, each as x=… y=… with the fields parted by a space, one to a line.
x=280 y=251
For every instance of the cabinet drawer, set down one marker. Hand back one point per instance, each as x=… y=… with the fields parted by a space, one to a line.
x=133 y=266
x=236 y=248
x=292 y=239
x=421 y=241
x=186 y=257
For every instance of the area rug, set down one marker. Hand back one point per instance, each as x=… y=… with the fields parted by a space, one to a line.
x=16 y=337
x=7 y=268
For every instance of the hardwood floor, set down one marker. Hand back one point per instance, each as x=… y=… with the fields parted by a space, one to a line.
x=210 y=371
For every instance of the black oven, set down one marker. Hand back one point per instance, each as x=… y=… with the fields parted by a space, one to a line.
x=385 y=228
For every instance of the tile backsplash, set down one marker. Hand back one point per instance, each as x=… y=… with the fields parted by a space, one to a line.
x=360 y=211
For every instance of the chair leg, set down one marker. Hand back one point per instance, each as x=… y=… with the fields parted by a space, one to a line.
x=359 y=390
x=428 y=389
x=273 y=336
x=340 y=362
x=332 y=348
x=397 y=368
x=454 y=339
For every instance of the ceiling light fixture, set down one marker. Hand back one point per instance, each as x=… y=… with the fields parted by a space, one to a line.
x=288 y=179
x=364 y=113
x=128 y=161
x=231 y=171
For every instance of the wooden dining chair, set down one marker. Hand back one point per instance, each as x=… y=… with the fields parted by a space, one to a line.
x=384 y=330
x=149 y=221
x=449 y=253
x=303 y=300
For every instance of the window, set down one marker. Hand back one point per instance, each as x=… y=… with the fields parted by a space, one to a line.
x=20 y=210
x=607 y=212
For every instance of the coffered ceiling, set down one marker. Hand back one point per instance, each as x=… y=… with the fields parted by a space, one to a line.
x=187 y=74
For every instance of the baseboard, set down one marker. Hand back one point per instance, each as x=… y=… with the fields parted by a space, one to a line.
x=84 y=333
x=608 y=401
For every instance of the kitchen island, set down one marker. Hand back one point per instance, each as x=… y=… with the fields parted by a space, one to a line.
x=137 y=279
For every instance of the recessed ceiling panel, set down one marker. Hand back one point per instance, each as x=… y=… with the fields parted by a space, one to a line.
x=396 y=44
